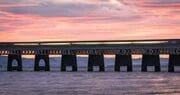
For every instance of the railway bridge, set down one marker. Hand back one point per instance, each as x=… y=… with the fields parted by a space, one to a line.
x=122 y=49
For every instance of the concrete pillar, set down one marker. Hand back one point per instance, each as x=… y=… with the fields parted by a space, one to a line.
x=123 y=60
x=12 y=57
x=96 y=60
x=174 y=60
x=68 y=60
x=46 y=60
x=150 y=60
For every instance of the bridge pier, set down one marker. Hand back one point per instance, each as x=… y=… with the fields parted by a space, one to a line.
x=123 y=60
x=16 y=57
x=96 y=60
x=174 y=60
x=37 y=60
x=150 y=60
x=69 y=60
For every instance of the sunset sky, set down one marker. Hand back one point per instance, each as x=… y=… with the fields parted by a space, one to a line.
x=57 y=20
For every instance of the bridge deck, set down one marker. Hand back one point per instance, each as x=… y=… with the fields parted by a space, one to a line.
x=167 y=46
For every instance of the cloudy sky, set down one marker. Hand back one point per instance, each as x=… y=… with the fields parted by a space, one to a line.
x=37 y=20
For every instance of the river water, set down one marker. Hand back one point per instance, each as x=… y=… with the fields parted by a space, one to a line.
x=89 y=83
x=82 y=82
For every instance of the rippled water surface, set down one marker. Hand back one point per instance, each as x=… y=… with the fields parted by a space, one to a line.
x=89 y=83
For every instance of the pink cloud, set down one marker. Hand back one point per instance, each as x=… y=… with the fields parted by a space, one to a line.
x=99 y=20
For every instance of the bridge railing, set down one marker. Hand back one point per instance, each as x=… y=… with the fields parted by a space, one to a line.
x=124 y=47
x=157 y=41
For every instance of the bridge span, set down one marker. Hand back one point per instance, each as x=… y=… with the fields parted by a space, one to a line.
x=123 y=49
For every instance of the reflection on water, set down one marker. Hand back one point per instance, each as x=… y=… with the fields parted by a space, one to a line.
x=89 y=83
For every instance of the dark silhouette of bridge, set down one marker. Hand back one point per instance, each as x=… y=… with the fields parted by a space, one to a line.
x=123 y=49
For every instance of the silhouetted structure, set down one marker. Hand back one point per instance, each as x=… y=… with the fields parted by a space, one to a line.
x=174 y=60
x=12 y=57
x=123 y=60
x=96 y=60
x=37 y=60
x=150 y=60
x=150 y=49
x=69 y=60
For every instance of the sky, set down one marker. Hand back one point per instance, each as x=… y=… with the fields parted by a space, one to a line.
x=62 y=20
